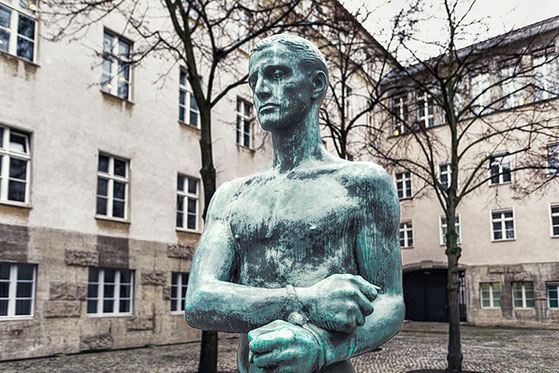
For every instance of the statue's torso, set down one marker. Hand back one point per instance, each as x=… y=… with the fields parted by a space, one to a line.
x=293 y=229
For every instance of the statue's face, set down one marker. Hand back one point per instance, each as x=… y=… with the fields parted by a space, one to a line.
x=282 y=89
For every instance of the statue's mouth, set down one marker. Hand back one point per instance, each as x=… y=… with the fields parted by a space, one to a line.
x=268 y=107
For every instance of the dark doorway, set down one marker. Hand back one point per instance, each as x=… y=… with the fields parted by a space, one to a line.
x=425 y=295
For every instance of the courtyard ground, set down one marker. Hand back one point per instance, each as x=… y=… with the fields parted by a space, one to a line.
x=417 y=346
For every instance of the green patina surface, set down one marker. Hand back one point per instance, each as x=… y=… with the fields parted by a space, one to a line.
x=302 y=258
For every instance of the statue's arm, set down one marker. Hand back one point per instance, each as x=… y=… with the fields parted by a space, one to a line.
x=212 y=301
x=378 y=257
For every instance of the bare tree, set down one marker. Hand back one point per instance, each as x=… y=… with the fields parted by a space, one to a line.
x=446 y=120
x=210 y=38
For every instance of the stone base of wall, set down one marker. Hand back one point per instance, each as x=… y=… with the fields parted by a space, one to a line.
x=538 y=316
x=60 y=323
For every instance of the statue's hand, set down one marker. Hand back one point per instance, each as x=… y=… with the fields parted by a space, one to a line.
x=283 y=347
x=339 y=303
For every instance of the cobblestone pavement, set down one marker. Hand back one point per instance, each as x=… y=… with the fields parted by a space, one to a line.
x=418 y=346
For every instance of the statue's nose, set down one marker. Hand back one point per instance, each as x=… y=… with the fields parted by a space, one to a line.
x=262 y=90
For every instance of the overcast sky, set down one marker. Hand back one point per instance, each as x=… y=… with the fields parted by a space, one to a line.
x=499 y=16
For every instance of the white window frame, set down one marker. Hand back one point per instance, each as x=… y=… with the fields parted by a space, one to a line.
x=510 y=85
x=100 y=298
x=548 y=287
x=443 y=227
x=502 y=221
x=491 y=295
x=12 y=292
x=552 y=159
x=179 y=299
x=111 y=178
x=524 y=299
x=114 y=57
x=16 y=9
x=478 y=83
x=187 y=105
x=406 y=227
x=447 y=172
x=241 y=120
x=405 y=178
x=428 y=118
x=186 y=196
x=545 y=75
x=500 y=159
x=400 y=115
x=5 y=155
x=551 y=216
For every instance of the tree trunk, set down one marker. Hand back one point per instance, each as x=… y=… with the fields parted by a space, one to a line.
x=208 y=348
x=453 y=251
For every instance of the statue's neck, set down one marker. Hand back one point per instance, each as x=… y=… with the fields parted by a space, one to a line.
x=298 y=144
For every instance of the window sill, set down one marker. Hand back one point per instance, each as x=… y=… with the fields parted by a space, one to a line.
x=458 y=243
x=490 y=308
x=189 y=126
x=18 y=58
x=406 y=247
x=185 y=230
x=115 y=220
x=504 y=240
x=99 y=316
x=495 y=185
x=108 y=94
x=245 y=148
x=16 y=318
x=177 y=313
x=405 y=199
x=16 y=204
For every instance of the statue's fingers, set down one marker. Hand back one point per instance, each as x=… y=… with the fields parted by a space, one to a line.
x=266 y=329
x=368 y=289
x=269 y=341
x=274 y=359
x=365 y=305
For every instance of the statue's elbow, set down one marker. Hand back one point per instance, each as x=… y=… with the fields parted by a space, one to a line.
x=399 y=313
x=194 y=309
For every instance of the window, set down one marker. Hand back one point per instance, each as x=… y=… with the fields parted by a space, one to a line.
x=553 y=159
x=480 y=92
x=406 y=234
x=400 y=115
x=14 y=165
x=425 y=110
x=244 y=113
x=512 y=87
x=553 y=294
x=179 y=283
x=545 y=75
x=502 y=225
x=499 y=169
x=554 y=211
x=444 y=173
x=188 y=109
x=348 y=107
x=112 y=186
x=403 y=184
x=17 y=28
x=490 y=294
x=17 y=289
x=443 y=226
x=523 y=294
x=187 y=202
x=109 y=291
x=115 y=76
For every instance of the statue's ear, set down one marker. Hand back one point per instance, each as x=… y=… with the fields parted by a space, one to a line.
x=320 y=83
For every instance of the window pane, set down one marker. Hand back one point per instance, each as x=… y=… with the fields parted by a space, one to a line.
x=101 y=206
x=193 y=104
x=24 y=48
x=120 y=167
x=125 y=291
x=4 y=289
x=508 y=214
x=93 y=275
x=108 y=291
x=18 y=168
x=108 y=306
x=182 y=97
x=119 y=190
x=125 y=276
x=103 y=164
x=182 y=78
x=191 y=224
x=174 y=278
x=91 y=306
x=173 y=291
x=180 y=182
x=123 y=49
x=92 y=291
x=24 y=289
x=108 y=42
x=173 y=305
x=183 y=292
x=192 y=186
x=26 y=27
x=122 y=89
x=3 y=307
x=191 y=205
x=102 y=186
x=193 y=118
x=23 y=307
x=5 y=15
x=16 y=191
x=180 y=216
x=124 y=306
x=118 y=209
x=4 y=271
x=4 y=38
x=180 y=203
x=109 y=275
x=181 y=113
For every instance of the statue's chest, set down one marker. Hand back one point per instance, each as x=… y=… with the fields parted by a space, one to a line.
x=288 y=230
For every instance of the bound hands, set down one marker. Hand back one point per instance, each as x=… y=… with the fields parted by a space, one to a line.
x=339 y=303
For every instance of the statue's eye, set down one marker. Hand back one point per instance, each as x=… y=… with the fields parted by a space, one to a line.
x=278 y=74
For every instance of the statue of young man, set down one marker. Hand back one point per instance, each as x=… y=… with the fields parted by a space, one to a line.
x=289 y=255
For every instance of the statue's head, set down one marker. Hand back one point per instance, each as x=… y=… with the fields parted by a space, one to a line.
x=289 y=78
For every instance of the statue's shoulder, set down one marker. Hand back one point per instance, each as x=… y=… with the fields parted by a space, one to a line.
x=364 y=174
x=231 y=188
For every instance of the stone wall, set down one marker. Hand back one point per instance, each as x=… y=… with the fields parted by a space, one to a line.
x=506 y=314
x=60 y=323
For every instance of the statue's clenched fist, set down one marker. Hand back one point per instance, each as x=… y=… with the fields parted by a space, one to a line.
x=339 y=303
x=283 y=347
